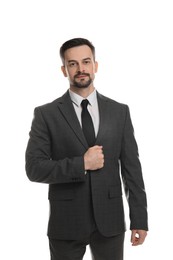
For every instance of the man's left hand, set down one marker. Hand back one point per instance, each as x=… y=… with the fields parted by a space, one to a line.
x=138 y=237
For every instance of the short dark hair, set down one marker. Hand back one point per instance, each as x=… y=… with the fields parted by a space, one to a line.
x=74 y=43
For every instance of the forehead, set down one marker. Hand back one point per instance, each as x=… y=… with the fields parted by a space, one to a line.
x=78 y=53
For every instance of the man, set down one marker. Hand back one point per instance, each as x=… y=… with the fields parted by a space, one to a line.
x=80 y=144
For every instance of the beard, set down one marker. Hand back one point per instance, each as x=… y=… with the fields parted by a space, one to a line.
x=82 y=83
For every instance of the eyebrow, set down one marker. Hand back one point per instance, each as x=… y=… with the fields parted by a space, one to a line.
x=87 y=58
x=76 y=60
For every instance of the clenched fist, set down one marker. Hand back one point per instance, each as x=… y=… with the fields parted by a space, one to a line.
x=94 y=158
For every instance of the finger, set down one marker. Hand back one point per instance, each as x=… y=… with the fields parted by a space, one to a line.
x=133 y=237
x=97 y=146
x=100 y=150
x=135 y=241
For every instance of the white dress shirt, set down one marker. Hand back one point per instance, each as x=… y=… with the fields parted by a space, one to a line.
x=92 y=107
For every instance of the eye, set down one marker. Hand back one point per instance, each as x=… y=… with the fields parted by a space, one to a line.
x=87 y=62
x=72 y=64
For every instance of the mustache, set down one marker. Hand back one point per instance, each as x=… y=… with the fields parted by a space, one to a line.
x=82 y=74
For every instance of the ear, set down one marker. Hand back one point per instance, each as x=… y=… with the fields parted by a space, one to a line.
x=96 y=66
x=63 y=71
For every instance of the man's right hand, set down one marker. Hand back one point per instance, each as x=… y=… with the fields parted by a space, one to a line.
x=94 y=158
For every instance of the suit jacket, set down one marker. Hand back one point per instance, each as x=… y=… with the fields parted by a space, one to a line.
x=55 y=153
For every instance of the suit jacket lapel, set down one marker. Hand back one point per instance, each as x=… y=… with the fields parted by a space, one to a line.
x=66 y=107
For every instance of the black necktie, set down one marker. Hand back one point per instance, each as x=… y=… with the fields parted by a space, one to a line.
x=87 y=124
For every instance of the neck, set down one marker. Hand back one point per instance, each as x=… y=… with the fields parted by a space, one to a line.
x=83 y=92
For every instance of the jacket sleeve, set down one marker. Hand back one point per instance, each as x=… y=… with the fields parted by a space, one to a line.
x=132 y=177
x=39 y=165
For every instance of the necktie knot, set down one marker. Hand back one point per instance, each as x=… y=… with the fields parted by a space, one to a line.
x=84 y=103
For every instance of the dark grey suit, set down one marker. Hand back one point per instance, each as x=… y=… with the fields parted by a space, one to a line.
x=55 y=156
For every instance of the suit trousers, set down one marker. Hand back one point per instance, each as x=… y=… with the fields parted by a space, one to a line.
x=102 y=248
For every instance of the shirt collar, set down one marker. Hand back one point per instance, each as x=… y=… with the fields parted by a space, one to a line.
x=77 y=99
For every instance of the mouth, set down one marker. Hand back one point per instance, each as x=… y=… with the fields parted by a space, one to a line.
x=81 y=76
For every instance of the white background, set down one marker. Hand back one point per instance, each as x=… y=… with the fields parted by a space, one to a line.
x=134 y=48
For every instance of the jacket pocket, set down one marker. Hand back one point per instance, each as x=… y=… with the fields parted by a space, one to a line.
x=114 y=191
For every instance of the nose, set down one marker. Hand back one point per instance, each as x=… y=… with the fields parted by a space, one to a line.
x=81 y=67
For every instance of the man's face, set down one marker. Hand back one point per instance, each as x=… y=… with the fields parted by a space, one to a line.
x=79 y=66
